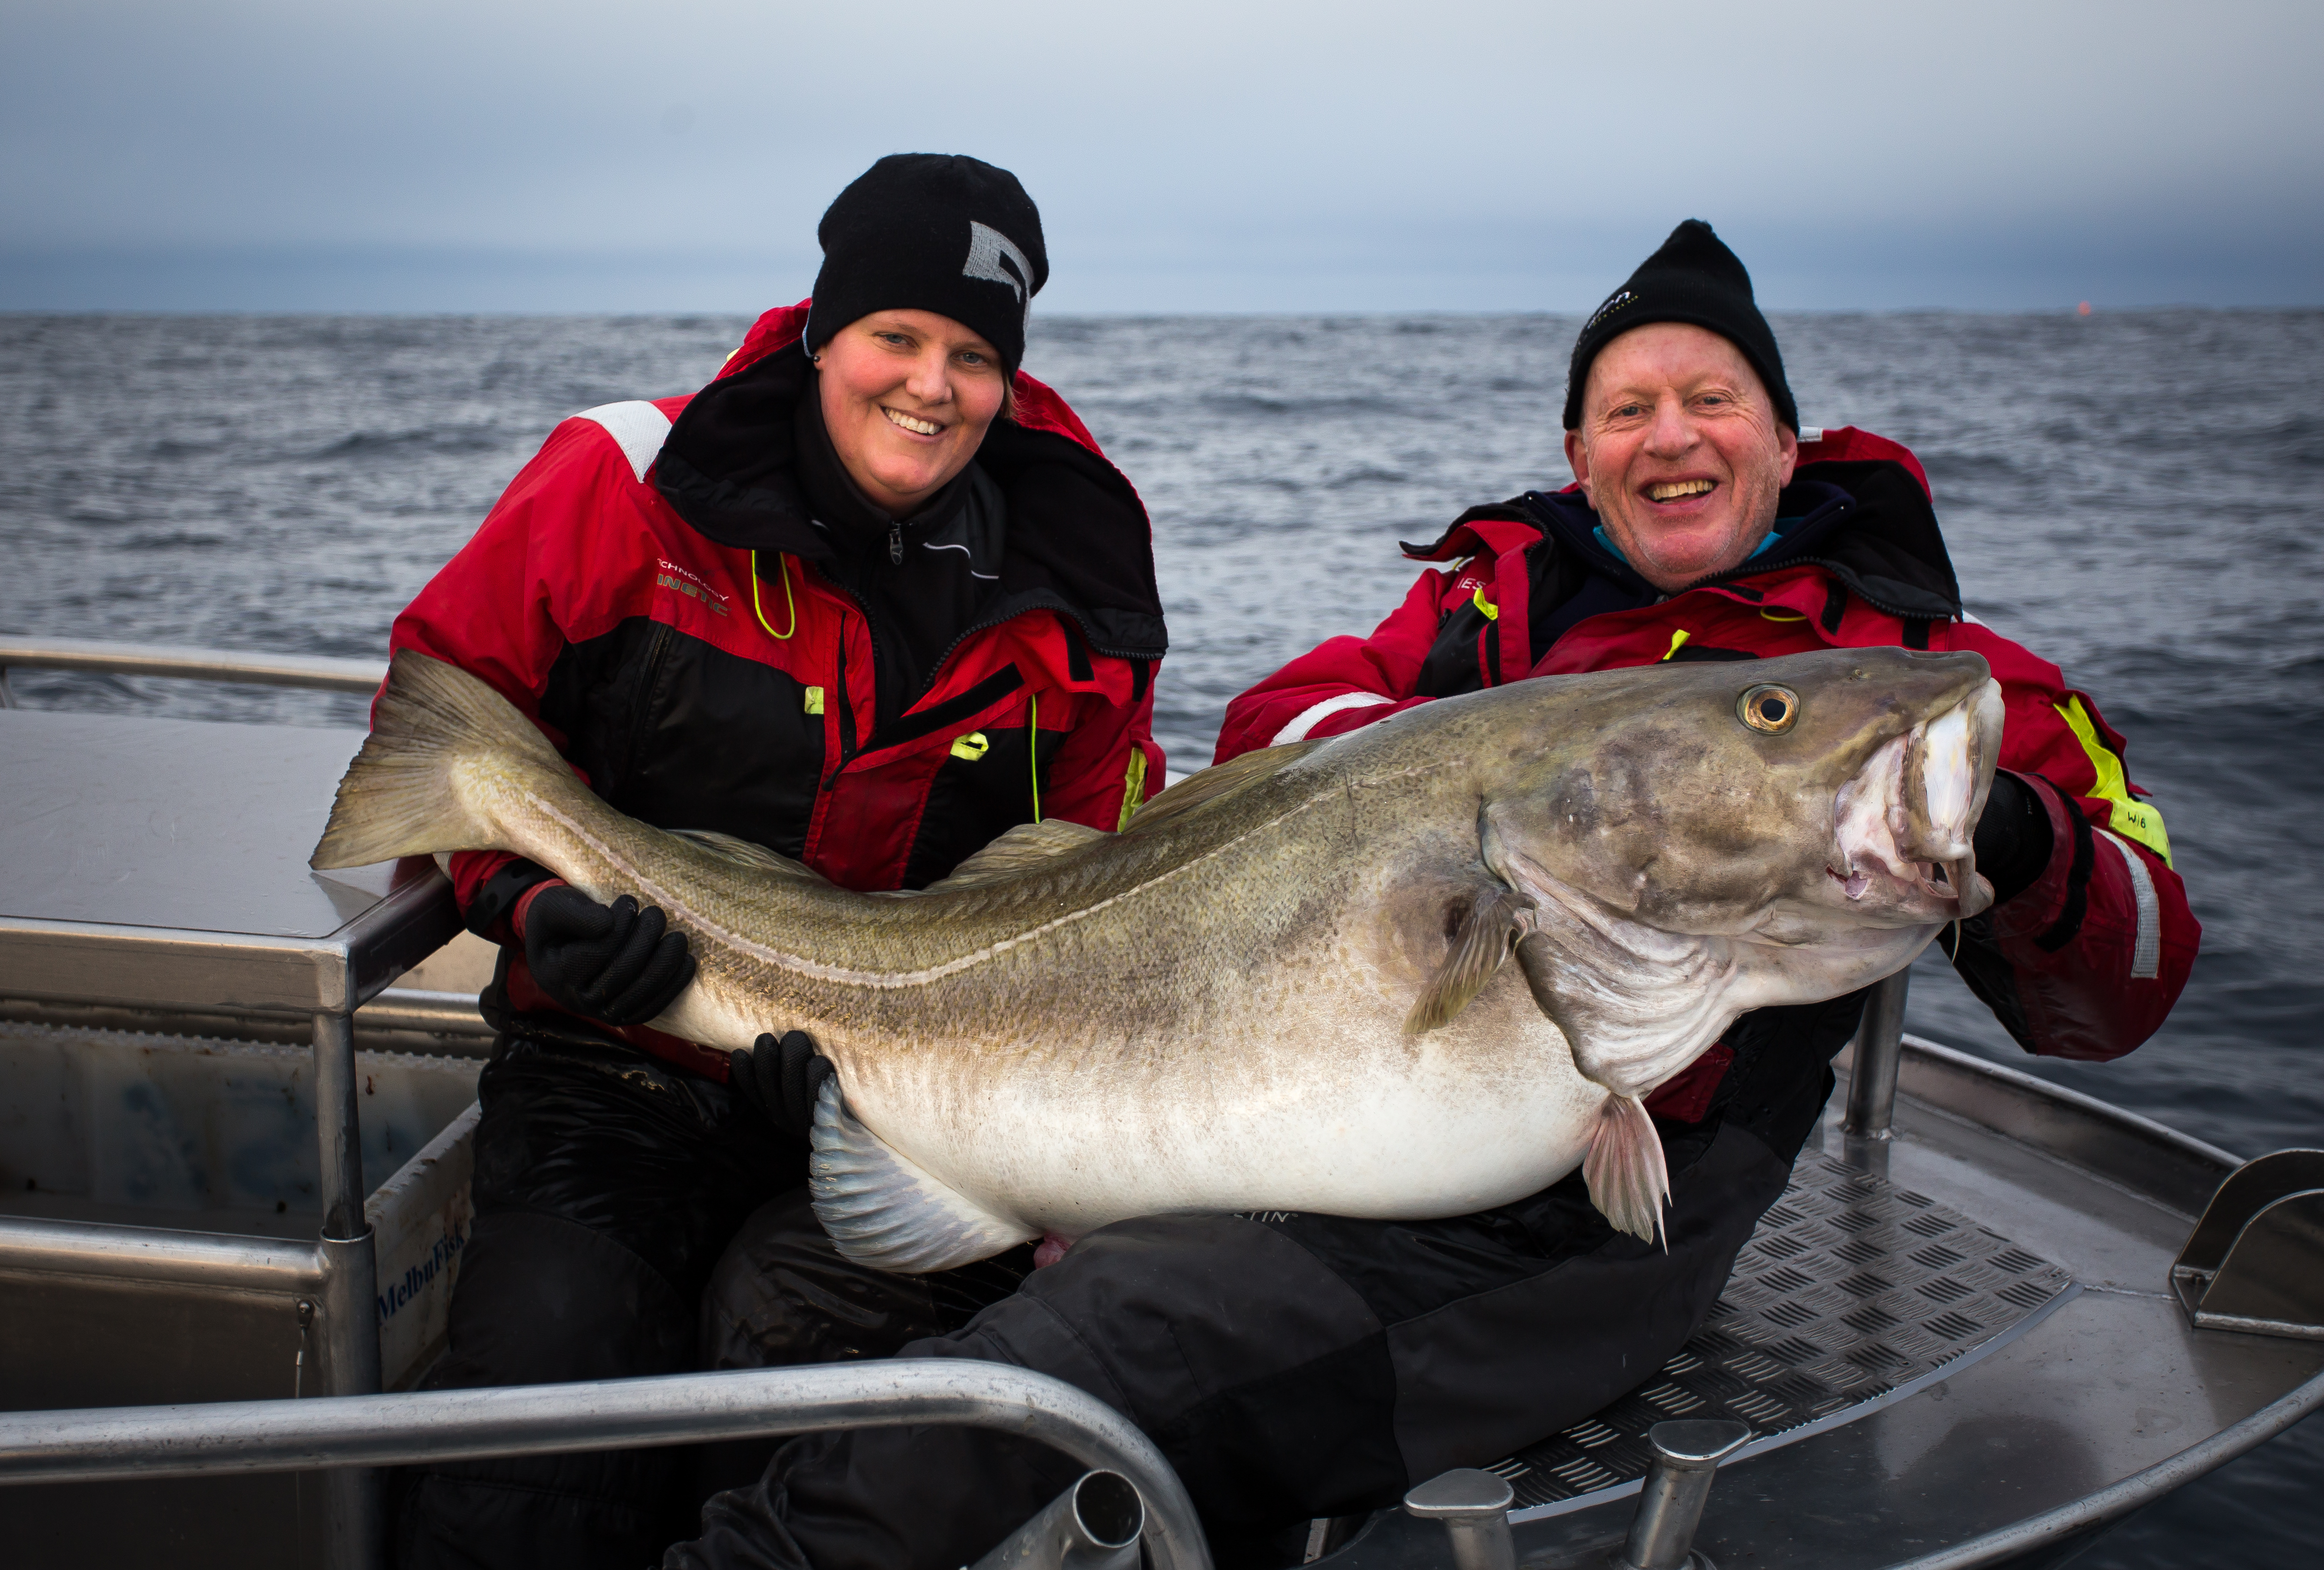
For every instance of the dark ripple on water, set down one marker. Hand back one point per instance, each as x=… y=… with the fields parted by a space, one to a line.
x=2134 y=495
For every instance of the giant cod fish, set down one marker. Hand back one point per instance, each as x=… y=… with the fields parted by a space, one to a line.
x=1420 y=969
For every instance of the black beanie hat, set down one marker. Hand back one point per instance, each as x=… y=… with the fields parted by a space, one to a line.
x=932 y=232
x=1693 y=278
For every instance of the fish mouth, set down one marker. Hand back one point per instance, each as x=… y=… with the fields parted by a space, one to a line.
x=1902 y=827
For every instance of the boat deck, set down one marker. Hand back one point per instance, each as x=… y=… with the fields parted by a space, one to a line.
x=2103 y=1379
x=1853 y=1294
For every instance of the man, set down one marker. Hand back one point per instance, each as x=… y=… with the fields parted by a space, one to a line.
x=1702 y=525
x=1294 y=1366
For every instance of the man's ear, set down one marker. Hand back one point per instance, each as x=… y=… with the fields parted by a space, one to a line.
x=1577 y=458
x=1787 y=452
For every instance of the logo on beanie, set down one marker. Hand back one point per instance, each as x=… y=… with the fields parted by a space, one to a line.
x=994 y=256
x=1616 y=301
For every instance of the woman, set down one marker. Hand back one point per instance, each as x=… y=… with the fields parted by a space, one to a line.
x=869 y=599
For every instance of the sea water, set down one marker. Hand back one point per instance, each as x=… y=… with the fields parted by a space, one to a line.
x=2138 y=497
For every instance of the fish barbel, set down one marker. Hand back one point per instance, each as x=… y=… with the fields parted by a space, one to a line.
x=1287 y=984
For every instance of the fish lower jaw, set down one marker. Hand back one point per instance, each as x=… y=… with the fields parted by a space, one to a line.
x=1912 y=891
x=1858 y=875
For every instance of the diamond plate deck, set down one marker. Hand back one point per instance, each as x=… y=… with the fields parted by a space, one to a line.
x=1852 y=1293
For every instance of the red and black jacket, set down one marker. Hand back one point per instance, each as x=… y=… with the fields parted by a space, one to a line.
x=654 y=591
x=2084 y=962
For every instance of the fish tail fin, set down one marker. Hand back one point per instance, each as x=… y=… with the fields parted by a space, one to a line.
x=1625 y=1171
x=402 y=795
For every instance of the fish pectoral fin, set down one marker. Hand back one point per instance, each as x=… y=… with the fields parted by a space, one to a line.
x=1480 y=945
x=1021 y=849
x=1207 y=785
x=1625 y=1171
x=882 y=1211
x=731 y=847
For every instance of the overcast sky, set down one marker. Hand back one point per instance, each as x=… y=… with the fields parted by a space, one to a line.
x=674 y=155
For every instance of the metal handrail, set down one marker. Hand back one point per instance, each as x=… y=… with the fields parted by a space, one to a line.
x=1879 y=1052
x=403 y=1008
x=319 y=672
x=393 y=1430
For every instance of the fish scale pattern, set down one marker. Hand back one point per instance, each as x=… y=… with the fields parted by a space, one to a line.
x=1852 y=1289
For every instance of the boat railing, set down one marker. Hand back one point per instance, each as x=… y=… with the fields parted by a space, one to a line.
x=1879 y=1054
x=312 y=984
x=430 y=1426
x=321 y=673
x=450 y=1016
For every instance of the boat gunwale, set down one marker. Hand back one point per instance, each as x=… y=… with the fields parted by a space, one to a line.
x=2045 y=1116
x=2121 y=1497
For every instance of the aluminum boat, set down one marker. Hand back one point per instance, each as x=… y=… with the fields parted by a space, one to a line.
x=1989 y=1316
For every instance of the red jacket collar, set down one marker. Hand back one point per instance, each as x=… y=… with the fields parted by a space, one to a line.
x=1079 y=540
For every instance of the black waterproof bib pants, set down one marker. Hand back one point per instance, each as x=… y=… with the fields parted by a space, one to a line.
x=607 y=1183
x=1288 y=1366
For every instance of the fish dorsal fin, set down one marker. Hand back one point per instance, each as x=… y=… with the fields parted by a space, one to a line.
x=733 y=847
x=1021 y=849
x=1218 y=780
x=884 y=1211
x=1495 y=920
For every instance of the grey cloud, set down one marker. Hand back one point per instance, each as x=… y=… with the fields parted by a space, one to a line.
x=1205 y=156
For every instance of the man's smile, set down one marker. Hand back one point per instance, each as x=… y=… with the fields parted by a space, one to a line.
x=1679 y=490
x=912 y=423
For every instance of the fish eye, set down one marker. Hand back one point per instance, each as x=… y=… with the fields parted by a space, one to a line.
x=1768 y=708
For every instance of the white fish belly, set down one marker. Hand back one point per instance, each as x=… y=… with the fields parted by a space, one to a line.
x=1332 y=1111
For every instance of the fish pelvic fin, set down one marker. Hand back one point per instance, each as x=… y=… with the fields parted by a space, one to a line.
x=1625 y=1171
x=1495 y=918
x=884 y=1211
x=402 y=794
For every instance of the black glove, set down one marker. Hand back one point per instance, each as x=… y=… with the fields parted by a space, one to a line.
x=614 y=963
x=782 y=1078
x=2013 y=838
